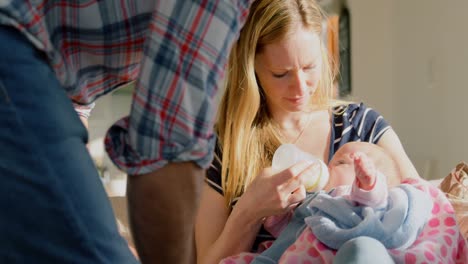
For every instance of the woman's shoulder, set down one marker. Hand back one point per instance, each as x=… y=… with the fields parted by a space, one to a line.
x=353 y=112
x=345 y=109
x=346 y=113
x=367 y=124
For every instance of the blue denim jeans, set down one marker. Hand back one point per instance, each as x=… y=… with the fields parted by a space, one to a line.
x=53 y=206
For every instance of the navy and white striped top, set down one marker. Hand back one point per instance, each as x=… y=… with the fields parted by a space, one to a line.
x=354 y=122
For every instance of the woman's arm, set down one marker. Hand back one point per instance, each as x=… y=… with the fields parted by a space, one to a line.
x=218 y=234
x=390 y=142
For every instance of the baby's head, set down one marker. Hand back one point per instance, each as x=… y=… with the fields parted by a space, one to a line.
x=341 y=166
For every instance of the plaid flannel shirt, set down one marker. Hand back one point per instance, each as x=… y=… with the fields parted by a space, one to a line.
x=176 y=52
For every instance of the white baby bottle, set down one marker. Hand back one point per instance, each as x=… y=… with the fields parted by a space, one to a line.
x=289 y=154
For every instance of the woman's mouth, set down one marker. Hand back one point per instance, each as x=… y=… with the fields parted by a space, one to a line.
x=296 y=100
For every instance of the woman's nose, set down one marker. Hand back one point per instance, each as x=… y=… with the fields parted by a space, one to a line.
x=299 y=82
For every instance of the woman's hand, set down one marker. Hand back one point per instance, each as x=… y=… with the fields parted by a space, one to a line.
x=220 y=232
x=273 y=194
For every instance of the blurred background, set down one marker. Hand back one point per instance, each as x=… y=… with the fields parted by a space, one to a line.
x=406 y=59
x=409 y=60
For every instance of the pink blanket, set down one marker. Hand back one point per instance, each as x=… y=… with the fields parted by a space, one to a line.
x=439 y=242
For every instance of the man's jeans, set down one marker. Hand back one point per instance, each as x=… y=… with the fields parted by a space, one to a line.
x=53 y=207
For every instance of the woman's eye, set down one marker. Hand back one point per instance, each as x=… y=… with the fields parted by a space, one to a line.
x=279 y=75
x=309 y=67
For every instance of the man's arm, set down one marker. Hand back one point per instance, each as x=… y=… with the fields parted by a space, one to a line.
x=170 y=127
x=162 y=209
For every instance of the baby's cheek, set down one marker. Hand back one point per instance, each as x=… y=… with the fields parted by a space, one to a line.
x=393 y=181
x=338 y=177
x=328 y=186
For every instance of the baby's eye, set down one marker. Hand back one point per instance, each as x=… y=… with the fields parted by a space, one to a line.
x=340 y=162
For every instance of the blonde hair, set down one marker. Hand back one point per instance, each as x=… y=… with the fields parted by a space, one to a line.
x=247 y=137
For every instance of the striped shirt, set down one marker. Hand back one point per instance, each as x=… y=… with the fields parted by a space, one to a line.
x=175 y=51
x=354 y=122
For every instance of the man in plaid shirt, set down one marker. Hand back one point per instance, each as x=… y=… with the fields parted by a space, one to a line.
x=55 y=53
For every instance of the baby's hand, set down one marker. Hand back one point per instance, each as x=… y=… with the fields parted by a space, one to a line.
x=365 y=170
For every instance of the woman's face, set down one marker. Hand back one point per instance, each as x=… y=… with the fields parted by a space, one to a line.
x=289 y=70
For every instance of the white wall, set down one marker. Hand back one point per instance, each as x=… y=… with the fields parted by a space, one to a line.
x=372 y=54
x=410 y=61
x=108 y=110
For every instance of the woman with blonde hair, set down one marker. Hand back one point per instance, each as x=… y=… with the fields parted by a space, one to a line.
x=279 y=90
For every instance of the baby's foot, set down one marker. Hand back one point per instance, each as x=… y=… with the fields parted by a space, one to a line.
x=365 y=171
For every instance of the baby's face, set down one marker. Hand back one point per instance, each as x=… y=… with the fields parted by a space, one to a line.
x=341 y=166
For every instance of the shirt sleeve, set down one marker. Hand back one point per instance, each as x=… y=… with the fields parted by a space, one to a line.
x=213 y=173
x=84 y=110
x=174 y=102
x=368 y=124
x=376 y=197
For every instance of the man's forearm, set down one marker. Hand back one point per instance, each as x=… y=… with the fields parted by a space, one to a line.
x=162 y=208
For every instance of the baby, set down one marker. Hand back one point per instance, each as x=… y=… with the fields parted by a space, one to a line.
x=364 y=171
x=357 y=203
x=353 y=174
